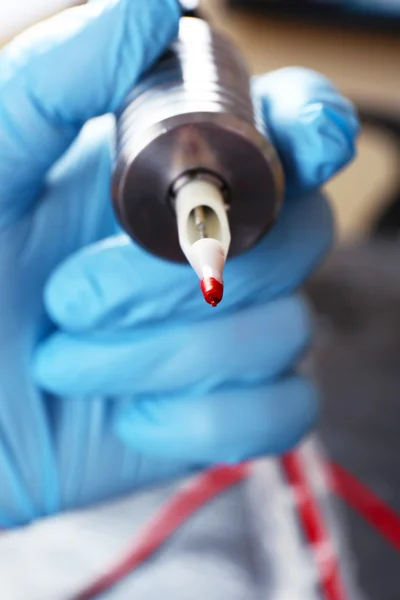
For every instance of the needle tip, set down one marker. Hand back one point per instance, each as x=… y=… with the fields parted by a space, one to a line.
x=212 y=290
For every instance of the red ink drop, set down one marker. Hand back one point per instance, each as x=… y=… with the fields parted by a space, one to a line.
x=212 y=290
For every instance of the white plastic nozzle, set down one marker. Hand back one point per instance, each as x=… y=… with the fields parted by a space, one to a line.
x=207 y=255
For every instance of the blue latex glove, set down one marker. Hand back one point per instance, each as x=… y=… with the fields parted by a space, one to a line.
x=143 y=382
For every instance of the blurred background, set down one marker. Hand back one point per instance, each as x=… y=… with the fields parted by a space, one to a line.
x=356 y=295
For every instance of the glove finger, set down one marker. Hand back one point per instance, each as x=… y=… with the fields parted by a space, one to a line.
x=117 y=285
x=60 y=73
x=312 y=125
x=249 y=346
x=228 y=426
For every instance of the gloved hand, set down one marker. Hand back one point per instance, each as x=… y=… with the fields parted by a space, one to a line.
x=111 y=378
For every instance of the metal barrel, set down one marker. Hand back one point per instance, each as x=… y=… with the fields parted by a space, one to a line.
x=193 y=115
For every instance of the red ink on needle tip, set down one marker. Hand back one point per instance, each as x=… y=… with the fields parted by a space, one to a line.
x=212 y=290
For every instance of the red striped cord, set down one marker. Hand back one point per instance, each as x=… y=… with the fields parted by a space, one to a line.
x=376 y=512
x=313 y=525
x=212 y=483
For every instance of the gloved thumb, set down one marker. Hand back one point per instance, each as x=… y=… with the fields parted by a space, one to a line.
x=57 y=75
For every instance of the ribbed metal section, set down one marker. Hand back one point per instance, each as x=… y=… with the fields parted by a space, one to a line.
x=201 y=73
